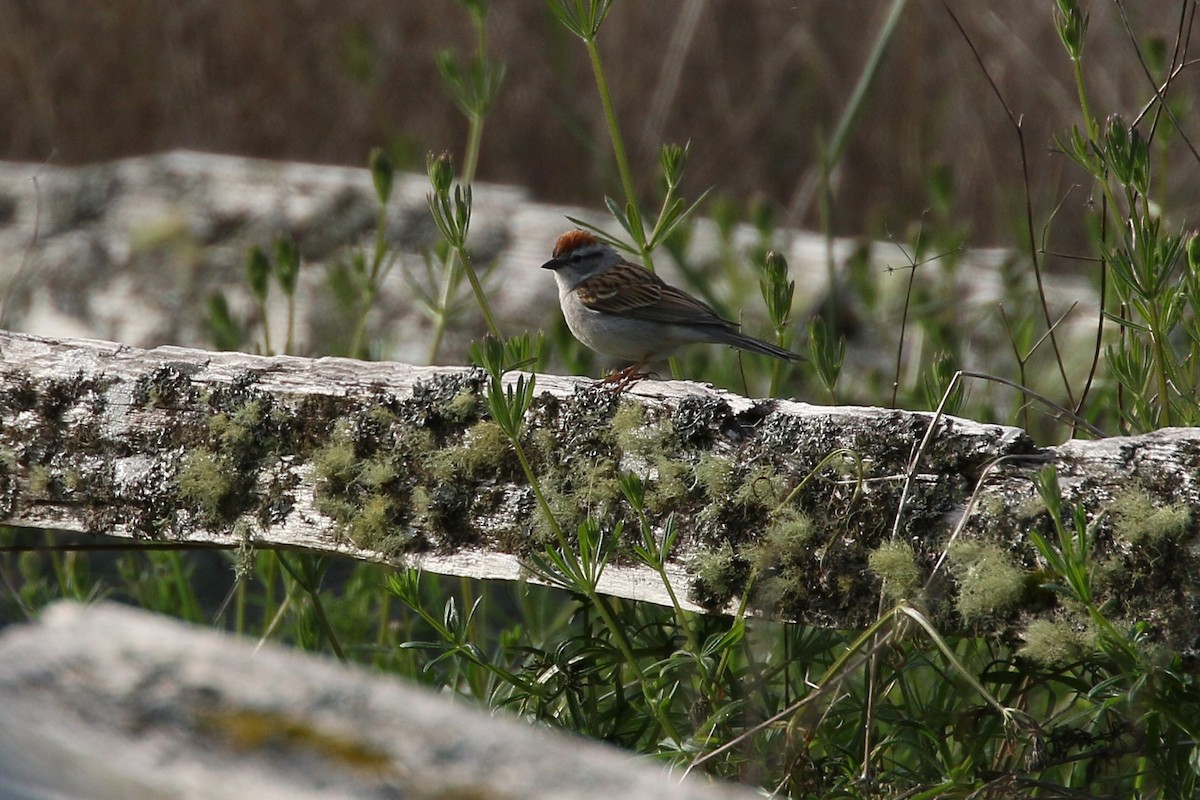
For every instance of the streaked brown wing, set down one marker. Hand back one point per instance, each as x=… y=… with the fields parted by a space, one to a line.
x=631 y=291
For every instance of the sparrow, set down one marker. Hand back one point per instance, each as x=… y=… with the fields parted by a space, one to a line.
x=624 y=311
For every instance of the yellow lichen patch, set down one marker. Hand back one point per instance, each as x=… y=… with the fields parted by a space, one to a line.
x=251 y=729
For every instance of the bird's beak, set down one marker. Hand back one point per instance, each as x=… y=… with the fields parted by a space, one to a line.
x=553 y=263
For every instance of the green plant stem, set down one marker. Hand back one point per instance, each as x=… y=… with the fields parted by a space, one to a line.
x=595 y=599
x=614 y=130
x=453 y=265
x=618 y=143
x=266 y=326
x=373 y=280
x=289 y=346
x=1089 y=121
x=480 y=296
x=659 y=565
x=439 y=325
x=456 y=260
x=474 y=142
x=325 y=625
x=1162 y=361
x=383 y=622
x=739 y=618
x=776 y=371
x=1093 y=132
x=449 y=635
x=308 y=578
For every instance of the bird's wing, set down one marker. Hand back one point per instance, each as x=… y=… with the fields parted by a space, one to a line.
x=630 y=291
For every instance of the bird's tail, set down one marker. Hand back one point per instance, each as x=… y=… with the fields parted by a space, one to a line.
x=743 y=342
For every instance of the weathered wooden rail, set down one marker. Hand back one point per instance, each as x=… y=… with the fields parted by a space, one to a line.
x=402 y=464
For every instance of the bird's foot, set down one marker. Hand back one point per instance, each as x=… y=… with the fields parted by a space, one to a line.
x=620 y=380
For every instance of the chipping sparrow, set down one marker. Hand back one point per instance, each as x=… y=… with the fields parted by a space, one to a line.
x=627 y=312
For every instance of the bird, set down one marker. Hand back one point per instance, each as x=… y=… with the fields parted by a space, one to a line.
x=622 y=310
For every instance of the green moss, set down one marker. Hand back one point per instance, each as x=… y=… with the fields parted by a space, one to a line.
x=763 y=487
x=634 y=434
x=784 y=542
x=335 y=466
x=379 y=414
x=334 y=506
x=416 y=441
x=377 y=472
x=441 y=466
x=245 y=557
x=373 y=522
x=465 y=405
x=782 y=557
x=627 y=426
x=208 y=482
x=716 y=575
x=785 y=587
x=237 y=430
x=543 y=444
x=1055 y=643
x=668 y=489
x=596 y=482
x=567 y=512
x=367 y=495
x=714 y=474
x=895 y=564
x=1107 y=572
x=988 y=582
x=1028 y=510
x=709 y=517
x=485 y=449
x=41 y=481
x=1138 y=521
x=420 y=503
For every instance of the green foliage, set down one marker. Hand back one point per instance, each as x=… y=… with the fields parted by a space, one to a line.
x=827 y=352
x=896 y=709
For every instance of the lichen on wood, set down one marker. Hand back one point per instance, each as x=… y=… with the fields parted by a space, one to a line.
x=791 y=502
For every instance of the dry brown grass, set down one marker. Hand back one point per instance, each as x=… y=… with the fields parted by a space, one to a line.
x=758 y=85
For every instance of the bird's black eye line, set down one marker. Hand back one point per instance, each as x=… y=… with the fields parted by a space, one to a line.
x=575 y=258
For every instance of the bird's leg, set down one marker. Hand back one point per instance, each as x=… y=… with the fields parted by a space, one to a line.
x=620 y=380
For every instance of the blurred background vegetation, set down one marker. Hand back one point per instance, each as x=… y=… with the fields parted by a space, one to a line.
x=756 y=87
x=1089 y=706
